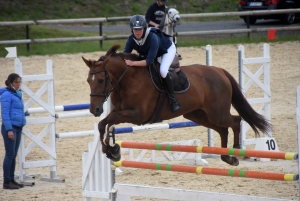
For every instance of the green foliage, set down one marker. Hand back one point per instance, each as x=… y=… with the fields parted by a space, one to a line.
x=57 y=9
x=136 y=9
x=214 y=7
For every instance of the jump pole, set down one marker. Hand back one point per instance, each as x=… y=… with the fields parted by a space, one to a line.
x=131 y=129
x=210 y=150
x=208 y=170
x=82 y=106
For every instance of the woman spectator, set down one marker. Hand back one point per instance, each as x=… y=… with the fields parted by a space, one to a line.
x=13 y=120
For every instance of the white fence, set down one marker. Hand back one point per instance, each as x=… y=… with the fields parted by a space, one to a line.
x=49 y=121
x=263 y=84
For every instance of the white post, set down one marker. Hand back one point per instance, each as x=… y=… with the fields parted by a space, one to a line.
x=22 y=171
x=210 y=132
x=267 y=106
x=51 y=126
x=241 y=56
x=298 y=123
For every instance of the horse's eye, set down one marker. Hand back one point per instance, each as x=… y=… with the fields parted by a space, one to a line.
x=100 y=81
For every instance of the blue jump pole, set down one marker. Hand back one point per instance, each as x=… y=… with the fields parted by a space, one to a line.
x=155 y=127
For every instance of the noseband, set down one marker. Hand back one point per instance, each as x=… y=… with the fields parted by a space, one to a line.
x=106 y=93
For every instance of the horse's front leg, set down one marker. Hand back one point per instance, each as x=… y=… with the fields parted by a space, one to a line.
x=101 y=127
x=112 y=152
x=112 y=149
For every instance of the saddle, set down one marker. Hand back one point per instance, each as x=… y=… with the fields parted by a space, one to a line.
x=180 y=82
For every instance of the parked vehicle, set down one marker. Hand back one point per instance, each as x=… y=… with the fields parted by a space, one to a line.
x=253 y=5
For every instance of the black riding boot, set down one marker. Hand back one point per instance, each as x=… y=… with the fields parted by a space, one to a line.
x=175 y=105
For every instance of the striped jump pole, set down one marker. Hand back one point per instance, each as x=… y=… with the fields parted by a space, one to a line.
x=155 y=127
x=208 y=170
x=60 y=108
x=123 y=130
x=210 y=150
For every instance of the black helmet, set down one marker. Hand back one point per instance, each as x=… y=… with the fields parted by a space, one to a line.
x=138 y=22
x=165 y=1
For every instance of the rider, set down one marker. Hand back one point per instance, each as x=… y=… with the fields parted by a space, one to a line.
x=155 y=13
x=152 y=43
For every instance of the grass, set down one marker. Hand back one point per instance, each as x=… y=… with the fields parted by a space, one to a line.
x=57 y=9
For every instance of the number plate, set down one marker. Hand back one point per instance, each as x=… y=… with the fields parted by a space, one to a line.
x=255 y=3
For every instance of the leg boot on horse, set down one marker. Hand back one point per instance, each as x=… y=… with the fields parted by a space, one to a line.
x=175 y=105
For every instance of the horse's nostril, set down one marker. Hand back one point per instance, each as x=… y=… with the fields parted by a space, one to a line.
x=97 y=110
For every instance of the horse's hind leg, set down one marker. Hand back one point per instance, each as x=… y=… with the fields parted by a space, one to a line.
x=200 y=117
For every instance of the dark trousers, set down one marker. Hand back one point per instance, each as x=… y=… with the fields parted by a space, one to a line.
x=11 y=151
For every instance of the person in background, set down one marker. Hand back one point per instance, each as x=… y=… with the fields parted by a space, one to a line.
x=155 y=13
x=152 y=43
x=13 y=120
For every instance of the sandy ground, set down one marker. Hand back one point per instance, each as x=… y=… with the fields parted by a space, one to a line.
x=71 y=87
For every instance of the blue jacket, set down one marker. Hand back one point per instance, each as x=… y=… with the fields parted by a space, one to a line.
x=12 y=109
x=154 y=44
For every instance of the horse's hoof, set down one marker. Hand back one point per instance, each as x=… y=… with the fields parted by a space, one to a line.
x=115 y=151
x=115 y=159
x=230 y=160
x=235 y=161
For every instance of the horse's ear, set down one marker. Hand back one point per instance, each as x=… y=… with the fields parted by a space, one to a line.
x=113 y=49
x=87 y=62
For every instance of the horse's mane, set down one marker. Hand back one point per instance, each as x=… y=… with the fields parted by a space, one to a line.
x=113 y=52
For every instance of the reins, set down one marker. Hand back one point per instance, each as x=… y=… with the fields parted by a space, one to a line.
x=104 y=94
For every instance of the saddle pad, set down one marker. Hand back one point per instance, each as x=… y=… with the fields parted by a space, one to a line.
x=182 y=86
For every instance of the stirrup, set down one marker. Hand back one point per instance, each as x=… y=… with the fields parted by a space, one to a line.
x=175 y=107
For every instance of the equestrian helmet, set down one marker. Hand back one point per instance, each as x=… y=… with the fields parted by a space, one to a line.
x=165 y=1
x=138 y=22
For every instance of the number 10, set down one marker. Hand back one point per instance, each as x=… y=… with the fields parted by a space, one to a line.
x=271 y=144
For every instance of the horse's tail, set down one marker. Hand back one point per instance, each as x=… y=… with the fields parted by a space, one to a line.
x=245 y=110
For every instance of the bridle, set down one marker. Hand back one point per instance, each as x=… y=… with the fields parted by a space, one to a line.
x=106 y=93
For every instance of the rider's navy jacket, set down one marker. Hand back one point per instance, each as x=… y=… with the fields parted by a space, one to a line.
x=12 y=109
x=153 y=44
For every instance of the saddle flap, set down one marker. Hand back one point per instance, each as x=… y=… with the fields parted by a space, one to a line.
x=175 y=64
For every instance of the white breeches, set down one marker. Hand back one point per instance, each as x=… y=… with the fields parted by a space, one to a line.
x=166 y=60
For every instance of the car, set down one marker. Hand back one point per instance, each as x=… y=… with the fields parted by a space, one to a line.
x=255 y=5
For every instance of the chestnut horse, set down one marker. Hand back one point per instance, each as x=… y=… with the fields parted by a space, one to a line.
x=134 y=98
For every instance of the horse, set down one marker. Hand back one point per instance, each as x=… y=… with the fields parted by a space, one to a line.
x=169 y=21
x=134 y=97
